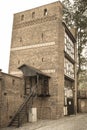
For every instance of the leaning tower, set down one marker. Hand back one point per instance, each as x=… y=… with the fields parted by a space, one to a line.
x=38 y=40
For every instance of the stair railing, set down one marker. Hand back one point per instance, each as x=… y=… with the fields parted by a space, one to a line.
x=25 y=106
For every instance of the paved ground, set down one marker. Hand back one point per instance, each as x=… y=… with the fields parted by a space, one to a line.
x=78 y=122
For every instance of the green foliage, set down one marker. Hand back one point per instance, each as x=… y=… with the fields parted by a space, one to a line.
x=76 y=15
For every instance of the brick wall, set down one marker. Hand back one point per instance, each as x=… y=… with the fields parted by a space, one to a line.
x=39 y=42
x=11 y=97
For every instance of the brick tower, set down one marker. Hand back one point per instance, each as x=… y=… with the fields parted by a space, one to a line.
x=40 y=39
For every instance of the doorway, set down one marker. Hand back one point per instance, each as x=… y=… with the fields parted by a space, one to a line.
x=70 y=106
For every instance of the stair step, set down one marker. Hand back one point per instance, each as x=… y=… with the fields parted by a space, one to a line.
x=14 y=124
x=14 y=120
x=22 y=110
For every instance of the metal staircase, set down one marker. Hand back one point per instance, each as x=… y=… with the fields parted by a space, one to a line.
x=22 y=112
x=36 y=83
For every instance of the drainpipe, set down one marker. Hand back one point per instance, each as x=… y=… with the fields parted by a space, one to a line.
x=75 y=89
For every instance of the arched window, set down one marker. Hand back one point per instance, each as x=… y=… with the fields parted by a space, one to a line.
x=22 y=17
x=45 y=12
x=33 y=14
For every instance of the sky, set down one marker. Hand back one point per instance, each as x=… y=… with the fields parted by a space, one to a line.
x=7 y=9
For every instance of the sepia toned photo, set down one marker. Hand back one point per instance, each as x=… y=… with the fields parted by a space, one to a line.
x=43 y=65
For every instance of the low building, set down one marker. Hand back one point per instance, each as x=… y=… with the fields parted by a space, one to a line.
x=11 y=97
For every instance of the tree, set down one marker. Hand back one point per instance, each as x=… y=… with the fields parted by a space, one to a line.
x=75 y=15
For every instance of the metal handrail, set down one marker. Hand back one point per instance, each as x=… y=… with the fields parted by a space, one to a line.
x=23 y=106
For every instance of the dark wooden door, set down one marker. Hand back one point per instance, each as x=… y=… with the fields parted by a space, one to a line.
x=70 y=106
x=28 y=86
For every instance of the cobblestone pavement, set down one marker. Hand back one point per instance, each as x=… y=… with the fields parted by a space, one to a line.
x=78 y=122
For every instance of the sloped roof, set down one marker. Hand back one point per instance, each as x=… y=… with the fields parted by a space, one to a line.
x=31 y=71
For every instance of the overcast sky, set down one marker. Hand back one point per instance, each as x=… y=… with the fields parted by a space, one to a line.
x=7 y=9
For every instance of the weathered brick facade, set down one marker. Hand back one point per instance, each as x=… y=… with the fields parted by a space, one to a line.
x=38 y=40
x=11 y=97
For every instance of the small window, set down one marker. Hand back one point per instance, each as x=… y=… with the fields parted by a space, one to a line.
x=42 y=36
x=45 y=12
x=20 y=39
x=13 y=82
x=33 y=14
x=22 y=17
x=18 y=62
x=5 y=93
x=42 y=59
